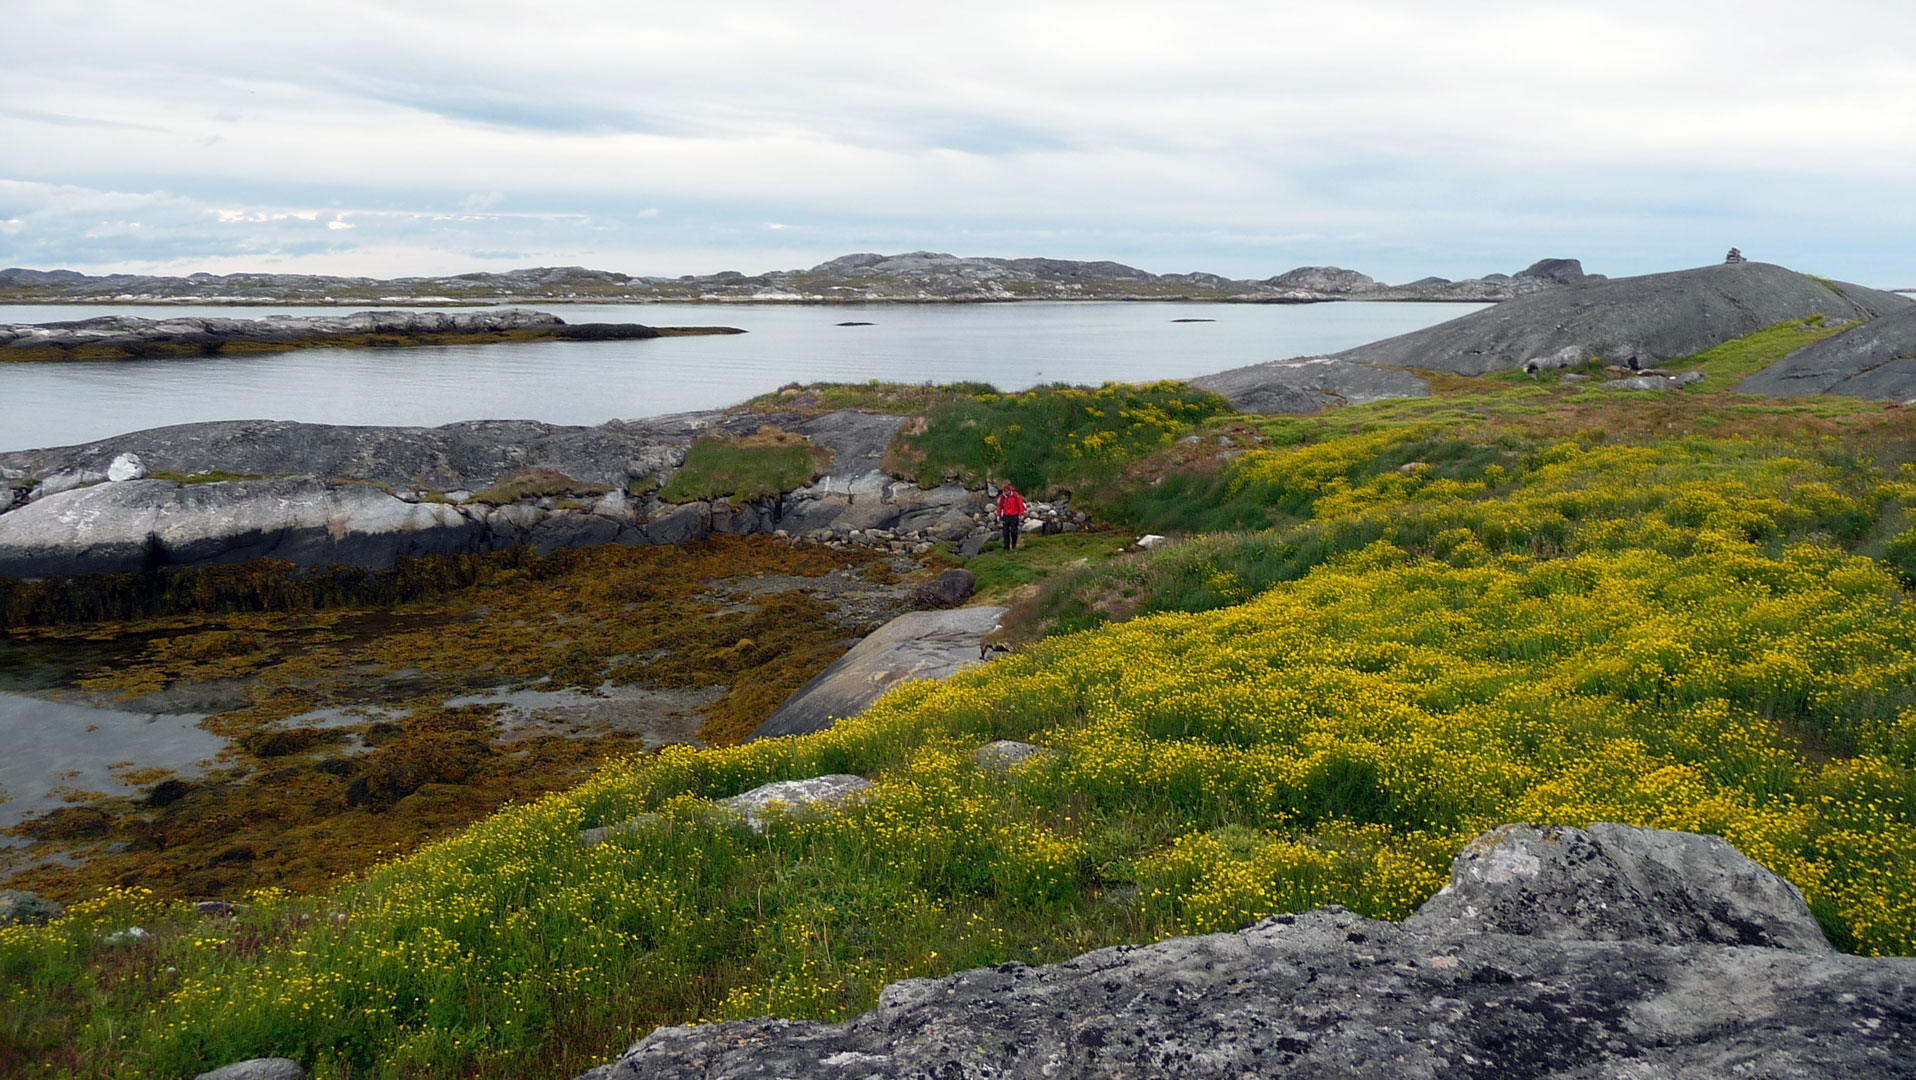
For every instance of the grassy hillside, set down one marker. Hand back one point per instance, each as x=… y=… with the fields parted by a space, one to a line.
x=1514 y=600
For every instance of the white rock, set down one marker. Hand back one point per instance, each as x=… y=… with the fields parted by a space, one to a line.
x=126 y=467
x=800 y=797
x=1152 y=541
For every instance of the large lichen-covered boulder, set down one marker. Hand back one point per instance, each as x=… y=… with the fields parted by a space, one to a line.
x=1618 y=883
x=1874 y=360
x=1713 y=968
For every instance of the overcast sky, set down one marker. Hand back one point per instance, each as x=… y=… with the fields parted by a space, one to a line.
x=1398 y=137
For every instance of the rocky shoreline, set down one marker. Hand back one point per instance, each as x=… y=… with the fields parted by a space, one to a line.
x=919 y=277
x=122 y=337
x=316 y=495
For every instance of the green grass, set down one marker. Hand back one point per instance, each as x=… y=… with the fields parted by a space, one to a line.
x=907 y=399
x=742 y=469
x=1733 y=361
x=1001 y=573
x=1050 y=437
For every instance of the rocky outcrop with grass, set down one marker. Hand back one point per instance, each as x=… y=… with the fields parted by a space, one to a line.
x=1553 y=952
x=1874 y=360
x=125 y=337
x=1635 y=323
x=1632 y=322
x=320 y=494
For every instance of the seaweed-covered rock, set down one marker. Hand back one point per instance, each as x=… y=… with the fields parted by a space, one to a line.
x=1553 y=953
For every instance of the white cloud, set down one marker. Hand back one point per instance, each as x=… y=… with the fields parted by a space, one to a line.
x=1397 y=131
x=338 y=224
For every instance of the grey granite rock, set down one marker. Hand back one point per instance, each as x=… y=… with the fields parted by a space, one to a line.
x=1635 y=321
x=1617 y=883
x=949 y=589
x=919 y=645
x=18 y=906
x=1874 y=360
x=1003 y=755
x=257 y=1069
x=1503 y=996
x=815 y=795
x=1308 y=384
x=147 y=524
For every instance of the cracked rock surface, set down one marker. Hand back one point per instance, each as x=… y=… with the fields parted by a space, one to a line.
x=1874 y=360
x=1553 y=952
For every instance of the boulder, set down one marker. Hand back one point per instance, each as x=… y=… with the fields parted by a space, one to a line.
x=1618 y=883
x=1003 y=755
x=1152 y=541
x=126 y=467
x=799 y=798
x=919 y=645
x=17 y=906
x=1684 y=961
x=948 y=589
x=257 y=1069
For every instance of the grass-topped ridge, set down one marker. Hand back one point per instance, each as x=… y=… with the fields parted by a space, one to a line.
x=742 y=468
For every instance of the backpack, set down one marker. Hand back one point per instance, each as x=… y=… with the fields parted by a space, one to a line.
x=1011 y=504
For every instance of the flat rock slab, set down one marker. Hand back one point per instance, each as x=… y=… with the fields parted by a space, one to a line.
x=1874 y=360
x=1331 y=994
x=1645 y=319
x=920 y=645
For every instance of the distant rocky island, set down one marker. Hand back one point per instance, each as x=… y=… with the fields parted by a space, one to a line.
x=920 y=277
x=125 y=337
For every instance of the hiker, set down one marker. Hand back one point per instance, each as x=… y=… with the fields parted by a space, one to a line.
x=1011 y=514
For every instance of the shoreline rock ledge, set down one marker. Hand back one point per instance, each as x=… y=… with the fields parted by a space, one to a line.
x=1553 y=952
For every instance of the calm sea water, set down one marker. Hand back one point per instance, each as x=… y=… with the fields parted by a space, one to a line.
x=1010 y=345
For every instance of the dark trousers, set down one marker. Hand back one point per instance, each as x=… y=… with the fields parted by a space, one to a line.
x=1011 y=524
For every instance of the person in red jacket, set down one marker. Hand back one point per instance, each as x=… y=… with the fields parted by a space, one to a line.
x=1011 y=514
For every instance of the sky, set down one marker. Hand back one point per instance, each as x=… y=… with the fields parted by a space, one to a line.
x=1402 y=138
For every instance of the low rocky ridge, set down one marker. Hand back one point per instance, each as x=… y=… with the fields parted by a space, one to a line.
x=1635 y=322
x=1874 y=360
x=913 y=277
x=126 y=337
x=1552 y=952
x=316 y=494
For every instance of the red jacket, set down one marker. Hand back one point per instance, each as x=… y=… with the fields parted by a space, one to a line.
x=1010 y=503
